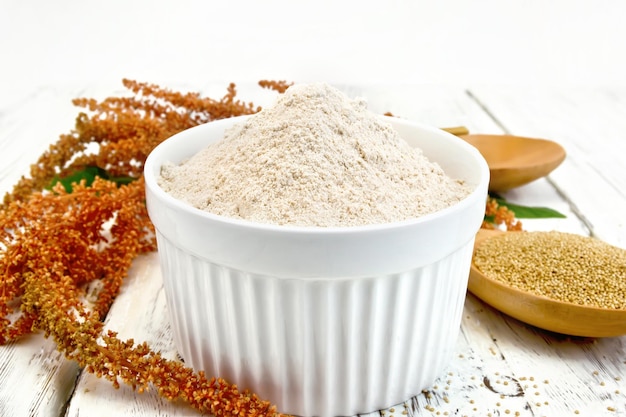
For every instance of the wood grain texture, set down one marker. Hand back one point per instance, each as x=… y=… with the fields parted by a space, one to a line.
x=500 y=363
x=139 y=313
x=590 y=124
x=35 y=379
x=28 y=127
x=515 y=160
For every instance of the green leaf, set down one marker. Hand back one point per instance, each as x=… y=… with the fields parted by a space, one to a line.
x=526 y=212
x=121 y=180
x=89 y=174
x=489 y=219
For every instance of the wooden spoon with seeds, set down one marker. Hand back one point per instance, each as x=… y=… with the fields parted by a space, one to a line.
x=514 y=160
x=543 y=312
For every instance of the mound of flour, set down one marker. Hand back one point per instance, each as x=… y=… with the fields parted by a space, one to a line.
x=314 y=158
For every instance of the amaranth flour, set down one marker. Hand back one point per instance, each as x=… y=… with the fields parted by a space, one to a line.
x=314 y=158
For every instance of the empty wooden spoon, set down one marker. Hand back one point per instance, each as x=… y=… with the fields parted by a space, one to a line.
x=515 y=160
x=546 y=313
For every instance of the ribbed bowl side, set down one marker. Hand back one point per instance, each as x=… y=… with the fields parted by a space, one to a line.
x=317 y=347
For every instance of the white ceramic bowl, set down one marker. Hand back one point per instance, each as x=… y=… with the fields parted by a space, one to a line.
x=320 y=321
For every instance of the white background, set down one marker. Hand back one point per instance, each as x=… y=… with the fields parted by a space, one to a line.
x=445 y=42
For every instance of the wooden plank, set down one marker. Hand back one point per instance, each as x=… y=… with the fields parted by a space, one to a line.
x=584 y=375
x=140 y=313
x=503 y=364
x=590 y=124
x=95 y=397
x=29 y=127
x=436 y=106
x=495 y=354
x=35 y=379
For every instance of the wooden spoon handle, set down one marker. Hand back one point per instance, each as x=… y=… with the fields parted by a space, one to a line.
x=456 y=130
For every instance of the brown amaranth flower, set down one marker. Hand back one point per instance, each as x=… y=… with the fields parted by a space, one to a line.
x=54 y=244
x=497 y=215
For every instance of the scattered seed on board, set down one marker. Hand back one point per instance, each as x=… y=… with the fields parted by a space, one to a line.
x=562 y=266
